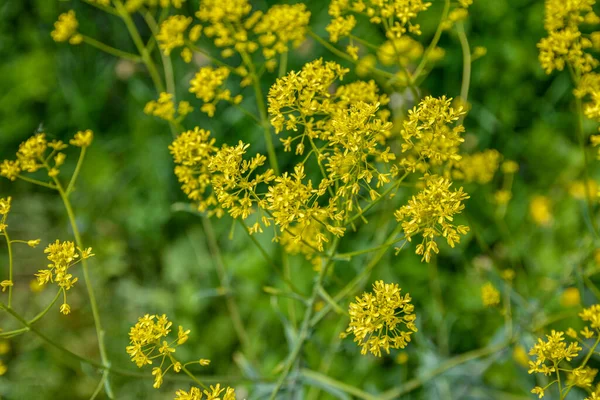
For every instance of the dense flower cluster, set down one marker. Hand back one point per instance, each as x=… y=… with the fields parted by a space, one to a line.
x=65 y=29
x=395 y=16
x=378 y=319
x=490 y=295
x=207 y=85
x=478 y=167
x=431 y=214
x=164 y=108
x=565 y=44
x=280 y=25
x=32 y=155
x=63 y=256
x=135 y=5
x=214 y=393
x=149 y=341
x=172 y=35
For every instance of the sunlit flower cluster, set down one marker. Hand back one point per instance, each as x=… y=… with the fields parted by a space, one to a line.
x=208 y=84
x=382 y=320
x=150 y=343
x=172 y=35
x=281 y=25
x=565 y=44
x=164 y=108
x=490 y=295
x=213 y=393
x=477 y=167
x=431 y=213
x=63 y=256
x=65 y=29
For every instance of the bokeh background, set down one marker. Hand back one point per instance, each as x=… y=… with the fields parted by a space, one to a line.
x=152 y=257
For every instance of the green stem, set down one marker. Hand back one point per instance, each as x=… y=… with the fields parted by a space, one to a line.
x=10 y=266
x=139 y=44
x=443 y=367
x=107 y=9
x=75 y=175
x=36 y=182
x=87 y=280
x=433 y=44
x=325 y=381
x=236 y=318
x=325 y=296
x=347 y=256
x=466 y=77
x=305 y=326
x=262 y=110
x=100 y=385
x=193 y=377
x=33 y=320
x=283 y=60
x=111 y=50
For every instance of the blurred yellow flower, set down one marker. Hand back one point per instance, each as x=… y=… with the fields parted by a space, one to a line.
x=570 y=297
x=540 y=210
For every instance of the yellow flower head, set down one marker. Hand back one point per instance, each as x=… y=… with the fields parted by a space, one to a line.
x=570 y=297
x=66 y=28
x=5 y=205
x=171 y=34
x=551 y=352
x=540 y=210
x=383 y=319
x=207 y=85
x=478 y=167
x=430 y=213
x=403 y=50
x=280 y=25
x=490 y=295
x=213 y=393
x=82 y=138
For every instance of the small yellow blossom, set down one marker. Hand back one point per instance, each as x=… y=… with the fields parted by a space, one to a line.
x=5 y=284
x=550 y=353
x=213 y=393
x=519 y=354
x=377 y=319
x=570 y=297
x=540 y=210
x=66 y=28
x=478 y=167
x=5 y=205
x=82 y=138
x=490 y=295
x=207 y=85
x=280 y=25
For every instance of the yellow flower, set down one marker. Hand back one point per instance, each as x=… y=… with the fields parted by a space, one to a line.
x=182 y=335
x=510 y=167
x=5 y=205
x=403 y=50
x=3 y=368
x=570 y=297
x=430 y=213
x=82 y=138
x=539 y=391
x=478 y=167
x=519 y=354
x=171 y=34
x=208 y=86
x=340 y=27
x=540 y=210
x=6 y=284
x=280 y=25
x=490 y=295
x=582 y=377
x=66 y=28
x=591 y=315
x=377 y=319
x=10 y=169
x=551 y=352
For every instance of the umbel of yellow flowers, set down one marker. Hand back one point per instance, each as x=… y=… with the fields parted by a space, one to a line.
x=381 y=320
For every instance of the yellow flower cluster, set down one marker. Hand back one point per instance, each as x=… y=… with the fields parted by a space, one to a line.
x=234 y=27
x=63 y=256
x=4 y=210
x=135 y=5
x=381 y=320
x=164 y=108
x=280 y=25
x=396 y=17
x=429 y=137
x=565 y=44
x=32 y=156
x=490 y=295
x=214 y=393
x=207 y=85
x=403 y=51
x=172 y=35
x=478 y=167
x=431 y=214
x=65 y=29
x=149 y=341
x=552 y=356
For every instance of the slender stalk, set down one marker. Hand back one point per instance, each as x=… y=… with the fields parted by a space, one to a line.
x=433 y=44
x=325 y=296
x=193 y=377
x=443 y=367
x=347 y=256
x=88 y=282
x=283 y=60
x=436 y=288
x=262 y=110
x=305 y=326
x=75 y=175
x=466 y=50
x=33 y=320
x=10 y=266
x=36 y=182
x=236 y=318
x=324 y=380
x=100 y=385
x=586 y=163
x=139 y=44
x=111 y=50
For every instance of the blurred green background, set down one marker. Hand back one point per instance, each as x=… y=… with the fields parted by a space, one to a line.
x=152 y=258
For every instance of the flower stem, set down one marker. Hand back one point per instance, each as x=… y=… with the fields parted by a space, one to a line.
x=10 y=266
x=75 y=175
x=111 y=50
